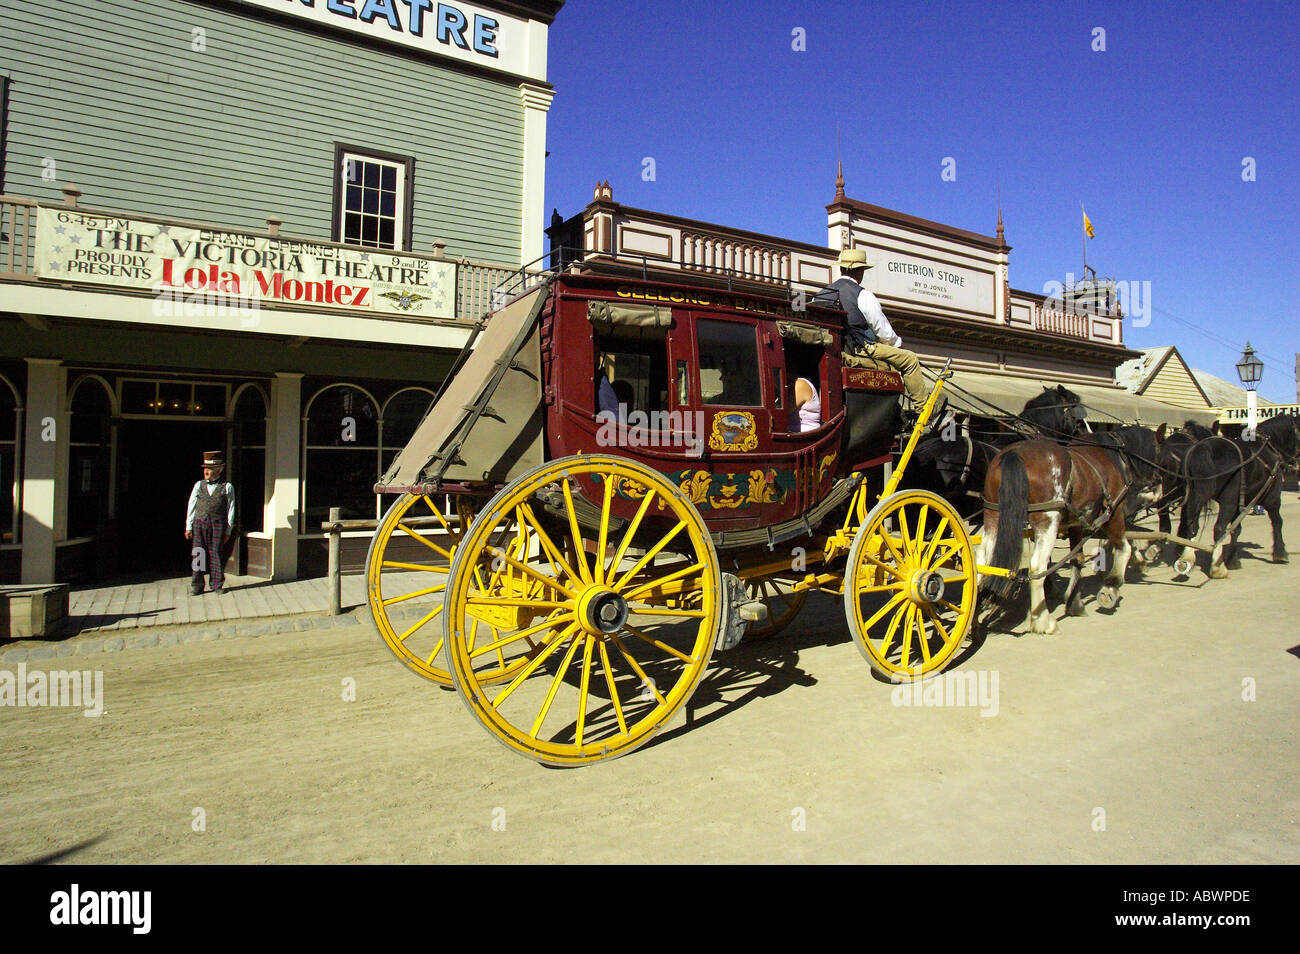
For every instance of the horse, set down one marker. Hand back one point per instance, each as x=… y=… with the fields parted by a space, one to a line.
x=954 y=464
x=1051 y=488
x=1173 y=452
x=1234 y=471
x=1137 y=451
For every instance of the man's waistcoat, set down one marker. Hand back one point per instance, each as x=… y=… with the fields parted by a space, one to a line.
x=211 y=505
x=860 y=332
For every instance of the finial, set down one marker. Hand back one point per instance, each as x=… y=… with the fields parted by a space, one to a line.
x=839 y=182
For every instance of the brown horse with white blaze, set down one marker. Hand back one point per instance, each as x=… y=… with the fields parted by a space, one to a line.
x=1050 y=488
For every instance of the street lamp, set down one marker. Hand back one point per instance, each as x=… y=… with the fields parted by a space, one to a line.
x=1250 y=369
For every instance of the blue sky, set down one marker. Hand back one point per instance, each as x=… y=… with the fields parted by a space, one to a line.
x=1150 y=134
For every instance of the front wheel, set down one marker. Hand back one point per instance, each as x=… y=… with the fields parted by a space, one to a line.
x=909 y=587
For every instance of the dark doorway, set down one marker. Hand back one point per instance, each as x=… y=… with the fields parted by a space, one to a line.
x=158 y=463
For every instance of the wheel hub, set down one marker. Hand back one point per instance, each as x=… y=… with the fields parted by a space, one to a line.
x=601 y=611
x=927 y=586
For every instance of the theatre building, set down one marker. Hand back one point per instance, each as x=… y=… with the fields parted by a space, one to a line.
x=946 y=291
x=255 y=226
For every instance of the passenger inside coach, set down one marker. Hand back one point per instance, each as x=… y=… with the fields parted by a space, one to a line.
x=803 y=370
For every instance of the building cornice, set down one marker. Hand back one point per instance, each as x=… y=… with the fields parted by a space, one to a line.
x=913 y=223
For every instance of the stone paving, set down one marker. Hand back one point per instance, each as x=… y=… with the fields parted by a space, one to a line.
x=165 y=613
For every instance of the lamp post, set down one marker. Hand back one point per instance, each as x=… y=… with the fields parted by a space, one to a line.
x=1250 y=369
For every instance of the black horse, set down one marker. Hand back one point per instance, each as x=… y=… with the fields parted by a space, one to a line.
x=954 y=465
x=1233 y=472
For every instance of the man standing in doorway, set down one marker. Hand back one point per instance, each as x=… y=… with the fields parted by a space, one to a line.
x=869 y=334
x=208 y=520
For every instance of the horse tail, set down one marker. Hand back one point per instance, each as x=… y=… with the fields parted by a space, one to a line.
x=1013 y=513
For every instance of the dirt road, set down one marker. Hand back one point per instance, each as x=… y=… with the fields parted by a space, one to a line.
x=1163 y=733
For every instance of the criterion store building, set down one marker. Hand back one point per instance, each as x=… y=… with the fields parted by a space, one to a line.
x=259 y=226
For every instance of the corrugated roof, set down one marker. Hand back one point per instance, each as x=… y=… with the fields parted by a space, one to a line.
x=1223 y=393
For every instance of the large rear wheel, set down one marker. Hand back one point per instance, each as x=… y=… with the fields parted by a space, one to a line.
x=615 y=618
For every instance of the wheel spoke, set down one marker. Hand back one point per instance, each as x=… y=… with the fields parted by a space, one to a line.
x=579 y=554
x=880 y=613
x=599 y=562
x=658 y=644
x=514 y=601
x=934 y=542
x=613 y=690
x=882 y=588
x=938 y=624
x=650 y=585
x=902 y=561
x=524 y=568
x=649 y=555
x=420 y=622
x=897 y=572
x=919 y=539
x=582 y=692
x=642 y=610
x=548 y=623
x=526 y=513
x=629 y=533
x=436 y=512
x=434 y=654
x=921 y=636
x=893 y=628
x=907 y=637
x=555 y=685
x=903 y=532
x=533 y=663
x=394 y=565
x=636 y=667
x=428 y=543
x=410 y=596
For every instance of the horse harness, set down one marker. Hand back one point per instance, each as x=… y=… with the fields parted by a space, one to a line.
x=1059 y=503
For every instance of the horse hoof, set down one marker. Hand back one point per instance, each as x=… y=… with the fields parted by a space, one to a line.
x=1218 y=572
x=1151 y=553
x=1183 y=567
x=1076 y=609
x=1107 y=598
x=1233 y=564
x=1281 y=558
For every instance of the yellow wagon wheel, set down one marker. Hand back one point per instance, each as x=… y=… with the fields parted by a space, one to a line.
x=406 y=578
x=909 y=586
x=618 y=622
x=783 y=604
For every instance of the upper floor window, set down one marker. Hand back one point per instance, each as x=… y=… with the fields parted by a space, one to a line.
x=372 y=198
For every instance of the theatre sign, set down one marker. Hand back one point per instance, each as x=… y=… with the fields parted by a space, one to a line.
x=235 y=268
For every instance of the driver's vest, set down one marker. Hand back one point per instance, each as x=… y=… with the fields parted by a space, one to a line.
x=859 y=332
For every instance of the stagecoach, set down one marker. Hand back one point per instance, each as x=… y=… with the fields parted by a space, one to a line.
x=571 y=567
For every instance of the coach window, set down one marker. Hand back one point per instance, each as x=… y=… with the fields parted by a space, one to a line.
x=630 y=343
x=372 y=198
x=728 y=363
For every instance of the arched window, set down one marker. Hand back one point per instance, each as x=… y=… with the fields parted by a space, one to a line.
x=248 y=456
x=341 y=456
x=88 y=455
x=10 y=487
x=402 y=414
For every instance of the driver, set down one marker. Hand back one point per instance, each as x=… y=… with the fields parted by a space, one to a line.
x=869 y=334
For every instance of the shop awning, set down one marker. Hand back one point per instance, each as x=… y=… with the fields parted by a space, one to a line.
x=975 y=391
